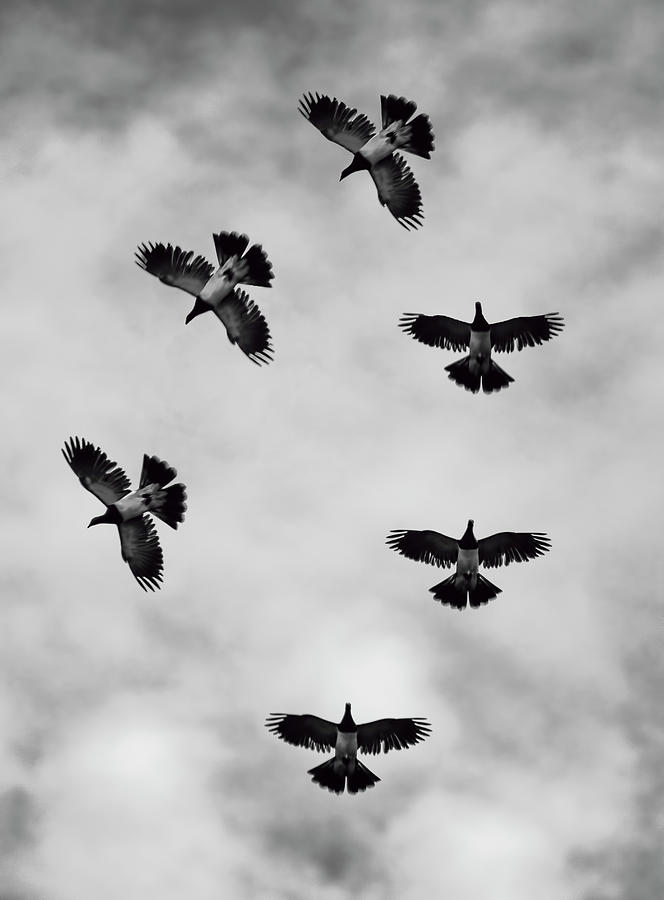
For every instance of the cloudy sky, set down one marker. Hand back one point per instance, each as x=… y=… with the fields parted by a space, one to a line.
x=134 y=762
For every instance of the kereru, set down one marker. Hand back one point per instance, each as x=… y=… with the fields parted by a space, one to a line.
x=126 y=509
x=215 y=290
x=346 y=739
x=467 y=554
x=481 y=338
x=397 y=189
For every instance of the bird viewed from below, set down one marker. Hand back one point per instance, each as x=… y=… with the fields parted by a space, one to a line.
x=127 y=509
x=376 y=153
x=216 y=290
x=466 y=585
x=346 y=739
x=481 y=337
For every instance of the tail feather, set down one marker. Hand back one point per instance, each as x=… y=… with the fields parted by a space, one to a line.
x=451 y=593
x=396 y=109
x=156 y=471
x=229 y=243
x=483 y=592
x=260 y=267
x=495 y=379
x=460 y=373
x=421 y=137
x=361 y=779
x=170 y=505
x=329 y=776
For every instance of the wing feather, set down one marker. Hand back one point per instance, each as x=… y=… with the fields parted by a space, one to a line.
x=391 y=734
x=246 y=326
x=303 y=731
x=96 y=472
x=511 y=546
x=436 y=331
x=425 y=546
x=142 y=552
x=175 y=266
x=338 y=122
x=398 y=190
x=525 y=331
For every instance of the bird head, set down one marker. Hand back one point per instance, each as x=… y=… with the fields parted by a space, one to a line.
x=200 y=306
x=358 y=163
x=107 y=518
x=347 y=723
x=479 y=322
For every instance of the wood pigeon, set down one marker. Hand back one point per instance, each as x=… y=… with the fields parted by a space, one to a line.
x=481 y=338
x=216 y=289
x=126 y=509
x=397 y=189
x=467 y=553
x=346 y=739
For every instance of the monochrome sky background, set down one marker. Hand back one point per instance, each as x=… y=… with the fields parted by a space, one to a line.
x=134 y=762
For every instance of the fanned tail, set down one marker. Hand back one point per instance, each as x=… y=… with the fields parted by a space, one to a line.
x=451 y=592
x=260 y=267
x=229 y=243
x=495 y=379
x=483 y=592
x=170 y=505
x=329 y=775
x=360 y=779
x=460 y=373
x=396 y=109
x=421 y=137
x=156 y=471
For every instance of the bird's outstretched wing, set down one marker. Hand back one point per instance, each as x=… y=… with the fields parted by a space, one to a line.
x=338 y=122
x=425 y=546
x=511 y=546
x=303 y=731
x=391 y=734
x=142 y=552
x=96 y=472
x=525 y=331
x=398 y=190
x=229 y=243
x=175 y=267
x=246 y=326
x=395 y=109
x=436 y=331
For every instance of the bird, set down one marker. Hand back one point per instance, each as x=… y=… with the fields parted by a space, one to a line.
x=467 y=553
x=127 y=509
x=346 y=739
x=376 y=153
x=481 y=338
x=216 y=290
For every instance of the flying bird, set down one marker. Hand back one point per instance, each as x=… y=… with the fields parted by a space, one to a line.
x=467 y=554
x=346 y=739
x=216 y=290
x=376 y=153
x=127 y=509
x=481 y=338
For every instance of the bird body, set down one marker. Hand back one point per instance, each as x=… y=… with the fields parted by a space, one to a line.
x=375 y=152
x=481 y=338
x=467 y=585
x=344 y=769
x=127 y=509
x=216 y=290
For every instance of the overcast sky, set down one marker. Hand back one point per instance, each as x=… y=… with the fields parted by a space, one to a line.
x=134 y=763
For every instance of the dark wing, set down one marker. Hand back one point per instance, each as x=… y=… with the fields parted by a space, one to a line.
x=175 y=266
x=142 y=552
x=156 y=471
x=229 y=243
x=436 y=331
x=398 y=190
x=425 y=546
x=303 y=731
x=511 y=546
x=245 y=326
x=391 y=734
x=96 y=472
x=338 y=122
x=525 y=331
x=395 y=109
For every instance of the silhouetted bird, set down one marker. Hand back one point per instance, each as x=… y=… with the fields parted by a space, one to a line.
x=467 y=553
x=397 y=189
x=215 y=290
x=481 y=338
x=126 y=509
x=346 y=739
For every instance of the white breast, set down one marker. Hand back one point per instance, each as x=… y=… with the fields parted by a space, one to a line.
x=467 y=561
x=132 y=505
x=377 y=148
x=220 y=284
x=346 y=744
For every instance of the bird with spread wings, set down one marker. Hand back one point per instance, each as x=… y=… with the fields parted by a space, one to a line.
x=375 y=153
x=127 y=509
x=481 y=338
x=346 y=739
x=467 y=553
x=215 y=290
